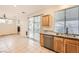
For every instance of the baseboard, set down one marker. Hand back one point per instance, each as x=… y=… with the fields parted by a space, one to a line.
x=9 y=34
x=51 y=50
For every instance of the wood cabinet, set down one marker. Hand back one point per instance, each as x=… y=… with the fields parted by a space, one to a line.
x=46 y=20
x=70 y=41
x=66 y=45
x=41 y=39
x=58 y=44
x=77 y=49
x=70 y=46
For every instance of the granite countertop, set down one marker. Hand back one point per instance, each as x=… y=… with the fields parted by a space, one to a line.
x=60 y=35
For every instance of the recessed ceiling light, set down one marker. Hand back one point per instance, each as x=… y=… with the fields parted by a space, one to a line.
x=23 y=12
x=14 y=5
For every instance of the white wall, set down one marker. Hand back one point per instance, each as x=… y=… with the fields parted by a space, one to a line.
x=23 y=24
x=49 y=11
x=6 y=29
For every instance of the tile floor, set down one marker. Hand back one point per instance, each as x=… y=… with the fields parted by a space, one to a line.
x=18 y=44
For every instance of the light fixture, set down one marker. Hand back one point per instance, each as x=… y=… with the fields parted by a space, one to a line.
x=23 y=12
x=3 y=17
x=14 y=5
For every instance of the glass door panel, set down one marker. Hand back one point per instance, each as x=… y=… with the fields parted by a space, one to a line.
x=30 y=28
x=37 y=28
x=34 y=28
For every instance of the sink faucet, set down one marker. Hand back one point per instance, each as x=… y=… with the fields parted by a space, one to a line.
x=66 y=30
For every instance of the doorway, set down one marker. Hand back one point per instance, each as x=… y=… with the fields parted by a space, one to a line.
x=34 y=28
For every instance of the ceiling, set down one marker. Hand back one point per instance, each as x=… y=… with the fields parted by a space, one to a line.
x=12 y=10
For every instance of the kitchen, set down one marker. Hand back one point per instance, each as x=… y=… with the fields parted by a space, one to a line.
x=64 y=37
x=47 y=28
x=39 y=29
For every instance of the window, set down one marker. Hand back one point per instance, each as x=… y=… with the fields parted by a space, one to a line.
x=67 y=18
x=59 y=22
x=72 y=20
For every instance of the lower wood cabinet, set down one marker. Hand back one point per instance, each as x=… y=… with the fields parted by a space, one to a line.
x=77 y=49
x=58 y=44
x=70 y=48
x=41 y=39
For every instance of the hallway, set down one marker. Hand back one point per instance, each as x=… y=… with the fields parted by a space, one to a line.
x=18 y=44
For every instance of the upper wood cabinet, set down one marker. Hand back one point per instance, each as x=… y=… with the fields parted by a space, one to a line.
x=46 y=20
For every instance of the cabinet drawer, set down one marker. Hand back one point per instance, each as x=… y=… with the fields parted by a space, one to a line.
x=71 y=41
x=78 y=42
x=70 y=48
x=77 y=49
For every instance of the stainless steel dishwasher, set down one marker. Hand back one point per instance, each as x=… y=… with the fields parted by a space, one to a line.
x=48 y=41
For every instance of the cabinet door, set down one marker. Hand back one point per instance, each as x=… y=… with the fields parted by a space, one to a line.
x=70 y=48
x=45 y=20
x=77 y=49
x=58 y=44
x=41 y=40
